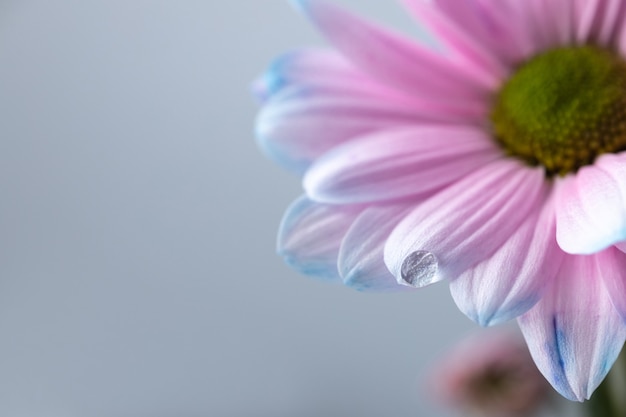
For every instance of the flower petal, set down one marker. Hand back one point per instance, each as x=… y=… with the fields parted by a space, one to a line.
x=512 y=280
x=466 y=15
x=398 y=163
x=620 y=32
x=294 y=129
x=458 y=37
x=310 y=235
x=612 y=263
x=390 y=57
x=322 y=68
x=612 y=21
x=508 y=29
x=591 y=206
x=552 y=21
x=361 y=263
x=621 y=246
x=465 y=223
x=573 y=332
x=590 y=20
x=314 y=99
x=497 y=25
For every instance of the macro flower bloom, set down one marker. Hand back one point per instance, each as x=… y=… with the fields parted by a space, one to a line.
x=489 y=374
x=495 y=160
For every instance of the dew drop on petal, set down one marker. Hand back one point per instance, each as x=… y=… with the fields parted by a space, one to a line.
x=419 y=269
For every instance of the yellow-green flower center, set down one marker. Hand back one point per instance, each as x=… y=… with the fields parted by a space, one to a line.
x=563 y=108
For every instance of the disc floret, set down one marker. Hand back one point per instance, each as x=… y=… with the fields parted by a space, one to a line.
x=563 y=108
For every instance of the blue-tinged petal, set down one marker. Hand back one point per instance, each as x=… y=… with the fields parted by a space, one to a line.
x=512 y=280
x=312 y=67
x=297 y=125
x=361 y=263
x=574 y=333
x=310 y=235
x=315 y=100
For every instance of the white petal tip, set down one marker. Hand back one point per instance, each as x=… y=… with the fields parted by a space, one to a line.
x=585 y=245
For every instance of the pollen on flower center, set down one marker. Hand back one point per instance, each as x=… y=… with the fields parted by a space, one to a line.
x=563 y=108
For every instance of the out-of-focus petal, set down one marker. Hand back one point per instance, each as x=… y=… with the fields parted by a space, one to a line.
x=464 y=224
x=552 y=21
x=458 y=37
x=310 y=236
x=574 y=333
x=612 y=21
x=391 y=58
x=361 y=263
x=508 y=29
x=489 y=373
x=493 y=24
x=588 y=16
x=591 y=206
x=398 y=163
x=513 y=279
x=317 y=68
x=620 y=31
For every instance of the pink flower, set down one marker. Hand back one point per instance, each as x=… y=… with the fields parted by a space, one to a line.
x=495 y=162
x=489 y=374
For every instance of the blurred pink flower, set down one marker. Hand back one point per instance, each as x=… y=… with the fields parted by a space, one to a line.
x=497 y=164
x=490 y=374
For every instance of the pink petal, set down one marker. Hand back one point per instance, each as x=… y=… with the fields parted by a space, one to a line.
x=361 y=263
x=512 y=280
x=519 y=20
x=620 y=30
x=553 y=21
x=466 y=15
x=621 y=246
x=465 y=223
x=611 y=23
x=590 y=20
x=573 y=332
x=398 y=163
x=310 y=235
x=458 y=37
x=316 y=100
x=611 y=265
x=591 y=206
x=510 y=33
x=390 y=57
x=295 y=127
x=321 y=68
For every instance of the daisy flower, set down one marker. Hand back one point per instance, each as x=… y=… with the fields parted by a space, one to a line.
x=488 y=374
x=495 y=161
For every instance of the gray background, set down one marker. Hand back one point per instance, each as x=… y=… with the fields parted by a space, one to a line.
x=138 y=221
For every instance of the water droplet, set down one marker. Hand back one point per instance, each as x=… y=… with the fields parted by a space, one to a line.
x=419 y=269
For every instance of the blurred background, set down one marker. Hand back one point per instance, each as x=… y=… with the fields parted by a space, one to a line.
x=138 y=222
